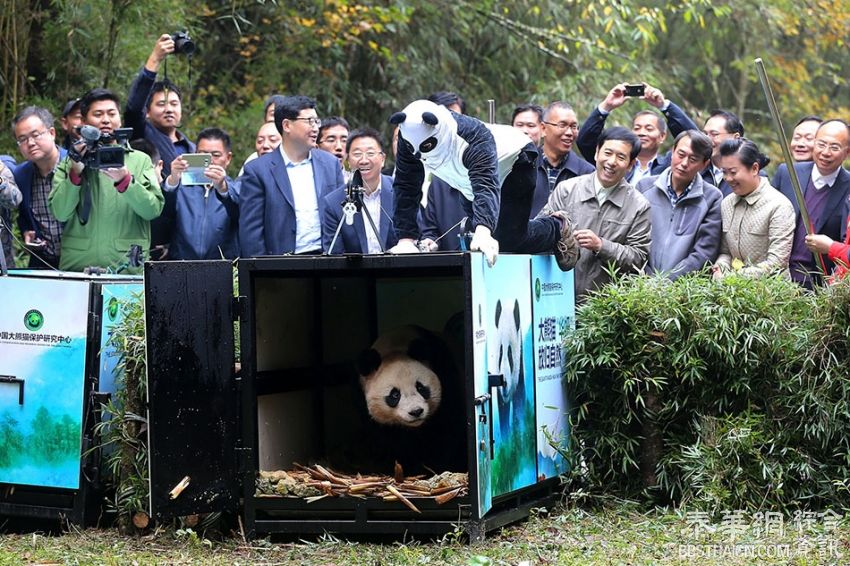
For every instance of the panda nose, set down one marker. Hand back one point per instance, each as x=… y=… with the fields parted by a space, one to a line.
x=416 y=413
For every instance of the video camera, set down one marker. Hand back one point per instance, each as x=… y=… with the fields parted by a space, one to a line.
x=100 y=152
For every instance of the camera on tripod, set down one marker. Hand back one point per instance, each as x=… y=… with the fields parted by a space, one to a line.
x=100 y=151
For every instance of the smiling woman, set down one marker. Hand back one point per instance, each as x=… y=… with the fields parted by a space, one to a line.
x=758 y=220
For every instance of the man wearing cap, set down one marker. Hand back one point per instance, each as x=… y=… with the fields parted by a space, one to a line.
x=71 y=120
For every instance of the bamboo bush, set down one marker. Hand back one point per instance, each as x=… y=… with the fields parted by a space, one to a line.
x=124 y=432
x=730 y=394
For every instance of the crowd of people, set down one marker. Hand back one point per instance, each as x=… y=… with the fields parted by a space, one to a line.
x=611 y=193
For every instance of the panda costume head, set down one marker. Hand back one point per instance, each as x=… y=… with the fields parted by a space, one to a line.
x=398 y=379
x=430 y=129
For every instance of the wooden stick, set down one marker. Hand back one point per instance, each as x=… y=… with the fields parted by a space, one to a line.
x=403 y=499
x=178 y=489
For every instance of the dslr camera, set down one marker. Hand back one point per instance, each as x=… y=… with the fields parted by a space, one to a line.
x=183 y=44
x=99 y=151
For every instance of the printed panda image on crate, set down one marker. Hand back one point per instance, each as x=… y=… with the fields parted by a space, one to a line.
x=413 y=389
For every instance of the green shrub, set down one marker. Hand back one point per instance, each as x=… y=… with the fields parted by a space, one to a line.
x=726 y=394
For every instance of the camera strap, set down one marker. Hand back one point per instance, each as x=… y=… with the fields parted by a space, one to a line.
x=84 y=208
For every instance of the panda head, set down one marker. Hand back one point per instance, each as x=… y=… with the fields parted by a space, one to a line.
x=505 y=351
x=429 y=129
x=400 y=388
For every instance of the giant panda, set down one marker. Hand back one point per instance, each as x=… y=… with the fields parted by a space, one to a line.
x=505 y=359
x=413 y=395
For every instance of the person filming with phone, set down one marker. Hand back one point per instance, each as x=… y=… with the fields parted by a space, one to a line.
x=105 y=193
x=207 y=200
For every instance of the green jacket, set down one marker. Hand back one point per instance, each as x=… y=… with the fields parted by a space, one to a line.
x=116 y=220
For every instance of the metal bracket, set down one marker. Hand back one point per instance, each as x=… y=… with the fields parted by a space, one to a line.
x=20 y=382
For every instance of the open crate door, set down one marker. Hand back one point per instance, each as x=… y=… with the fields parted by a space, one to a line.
x=479 y=476
x=192 y=396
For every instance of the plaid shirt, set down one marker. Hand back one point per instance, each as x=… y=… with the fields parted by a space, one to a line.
x=51 y=229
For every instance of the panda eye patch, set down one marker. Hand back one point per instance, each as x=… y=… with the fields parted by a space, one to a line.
x=428 y=145
x=393 y=398
x=511 y=358
x=423 y=390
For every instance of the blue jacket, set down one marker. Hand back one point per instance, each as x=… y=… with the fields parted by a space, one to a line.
x=206 y=221
x=444 y=209
x=23 y=178
x=352 y=238
x=588 y=136
x=574 y=166
x=686 y=237
x=267 y=207
x=135 y=111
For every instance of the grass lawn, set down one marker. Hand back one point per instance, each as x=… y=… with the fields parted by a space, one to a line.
x=618 y=535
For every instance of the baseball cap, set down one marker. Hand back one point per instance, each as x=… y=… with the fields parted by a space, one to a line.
x=70 y=106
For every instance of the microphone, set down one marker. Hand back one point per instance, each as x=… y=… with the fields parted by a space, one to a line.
x=89 y=133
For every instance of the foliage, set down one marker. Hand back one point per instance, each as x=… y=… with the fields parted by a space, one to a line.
x=724 y=395
x=124 y=432
x=362 y=59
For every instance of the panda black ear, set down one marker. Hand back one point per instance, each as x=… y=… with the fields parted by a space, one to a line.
x=429 y=118
x=398 y=118
x=419 y=350
x=368 y=361
x=516 y=314
x=498 y=311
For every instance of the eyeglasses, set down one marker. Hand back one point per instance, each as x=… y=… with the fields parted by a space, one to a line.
x=358 y=155
x=562 y=125
x=833 y=147
x=311 y=121
x=32 y=137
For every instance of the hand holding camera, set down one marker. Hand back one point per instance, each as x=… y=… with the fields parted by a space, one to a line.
x=178 y=43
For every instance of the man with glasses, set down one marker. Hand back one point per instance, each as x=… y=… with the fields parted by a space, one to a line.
x=557 y=162
x=36 y=139
x=721 y=125
x=281 y=200
x=207 y=215
x=826 y=186
x=365 y=154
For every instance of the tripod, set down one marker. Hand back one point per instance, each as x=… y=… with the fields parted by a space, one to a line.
x=353 y=204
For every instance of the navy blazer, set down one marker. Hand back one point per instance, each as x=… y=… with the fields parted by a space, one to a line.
x=266 y=205
x=445 y=208
x=23 y=178
x=573 y=167
x=352 y=238
x=588 y=136
x=833 y=219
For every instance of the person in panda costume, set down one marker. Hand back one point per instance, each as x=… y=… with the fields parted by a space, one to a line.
x=493 y=167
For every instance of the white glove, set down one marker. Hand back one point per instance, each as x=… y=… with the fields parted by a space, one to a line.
x=483 y=242
x=405 y=246
x=428 y=245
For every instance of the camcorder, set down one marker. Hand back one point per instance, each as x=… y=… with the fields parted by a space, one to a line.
x=183 y=44
x=99 y=151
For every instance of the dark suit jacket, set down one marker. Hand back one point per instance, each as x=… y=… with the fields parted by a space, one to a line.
x=23 y=178
x=832 y=221
x=444 y=209
x=352 y=238
x=588 y=136
x=574 y=167
x=267 y=207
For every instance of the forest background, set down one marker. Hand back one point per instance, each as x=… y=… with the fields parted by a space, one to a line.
x=366 y=59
